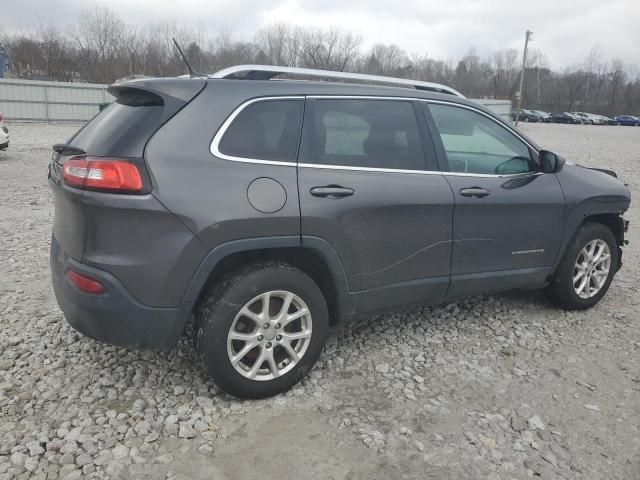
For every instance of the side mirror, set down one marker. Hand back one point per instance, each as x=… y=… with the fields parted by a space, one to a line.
x=550 y=162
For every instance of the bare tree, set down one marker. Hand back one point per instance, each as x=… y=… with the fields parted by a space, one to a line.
x=617 y=77
x=331 y=49
x=471 y=74
x=98 y=36
x=537 y=73
x=100 y=47
x=386 y=60
x=277 y=43
x=504 y=71
x=427 y=69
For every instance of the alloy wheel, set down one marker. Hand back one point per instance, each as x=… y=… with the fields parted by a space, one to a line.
x=269 y=335
x=592 y=268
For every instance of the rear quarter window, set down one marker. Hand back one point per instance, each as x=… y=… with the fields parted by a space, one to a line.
x=265 y=130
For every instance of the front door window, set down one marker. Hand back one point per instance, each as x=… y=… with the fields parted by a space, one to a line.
x=474 y=143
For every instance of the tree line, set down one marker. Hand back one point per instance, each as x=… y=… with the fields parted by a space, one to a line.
x=101 y=48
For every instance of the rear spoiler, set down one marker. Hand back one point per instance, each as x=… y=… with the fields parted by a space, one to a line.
x=176 y=88
x=172 y=93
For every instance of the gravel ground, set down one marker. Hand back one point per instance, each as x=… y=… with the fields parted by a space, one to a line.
x=495 y=387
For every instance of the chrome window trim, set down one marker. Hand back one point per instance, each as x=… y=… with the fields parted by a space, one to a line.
x=489 y=175
x=415 y=172
x=215 y=143
x=367 y=169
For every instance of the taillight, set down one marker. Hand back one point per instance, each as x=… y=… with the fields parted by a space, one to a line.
x=98 y=173
x=1 y=117
x=84 y=283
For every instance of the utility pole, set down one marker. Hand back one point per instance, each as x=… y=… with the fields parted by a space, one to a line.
x=527 y=37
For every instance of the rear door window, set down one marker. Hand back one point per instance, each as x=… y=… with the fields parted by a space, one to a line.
x=265 y=130
x=362 y=133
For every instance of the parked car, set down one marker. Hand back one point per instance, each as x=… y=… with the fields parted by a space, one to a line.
x=578 y=118
x=269 y=230
x=599 y=119
x=564 y=117
x=543 y=116
x=582 y=117
x=589 y=118
x=627 y=120
x=4 y=134
x=524 y=116
x=607 y=120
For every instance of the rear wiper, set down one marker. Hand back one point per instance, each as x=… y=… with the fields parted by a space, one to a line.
x=64 y=149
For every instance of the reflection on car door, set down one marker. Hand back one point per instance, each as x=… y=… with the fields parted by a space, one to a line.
x=508 y=216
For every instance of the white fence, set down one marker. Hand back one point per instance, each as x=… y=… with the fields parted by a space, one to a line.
x=33 y=100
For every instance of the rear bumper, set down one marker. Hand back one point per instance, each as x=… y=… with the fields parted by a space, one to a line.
x=114 y=317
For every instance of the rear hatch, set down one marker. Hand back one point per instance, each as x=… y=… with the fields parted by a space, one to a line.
x=109 y=146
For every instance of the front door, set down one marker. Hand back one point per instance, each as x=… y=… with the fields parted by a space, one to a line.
x=368 y=188
x=508 y=216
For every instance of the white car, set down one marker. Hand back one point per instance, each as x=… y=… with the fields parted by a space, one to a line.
x=4 y=134
x=606 y=120
x=591 y=118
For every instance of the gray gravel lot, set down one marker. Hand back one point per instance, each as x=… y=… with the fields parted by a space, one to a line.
x=499 y=387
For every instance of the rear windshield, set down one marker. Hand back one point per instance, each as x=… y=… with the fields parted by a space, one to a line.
x=123 y=128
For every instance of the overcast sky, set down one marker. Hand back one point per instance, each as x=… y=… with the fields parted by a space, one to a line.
x=565 y=30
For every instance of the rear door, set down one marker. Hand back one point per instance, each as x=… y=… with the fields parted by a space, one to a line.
x=369 y=189
x=509 y=217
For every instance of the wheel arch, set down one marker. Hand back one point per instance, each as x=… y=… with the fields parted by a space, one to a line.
x=612 y=220
x=314 y=257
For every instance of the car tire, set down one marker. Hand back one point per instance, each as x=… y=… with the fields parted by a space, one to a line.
x=235 y=307
x=564 y=289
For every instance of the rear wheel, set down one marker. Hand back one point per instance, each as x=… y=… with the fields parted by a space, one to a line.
x=586 y=269
x=261 y=329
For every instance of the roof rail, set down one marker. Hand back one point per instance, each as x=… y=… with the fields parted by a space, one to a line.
x=266 y=72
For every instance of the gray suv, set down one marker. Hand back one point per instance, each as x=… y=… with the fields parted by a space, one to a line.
x=271 y=210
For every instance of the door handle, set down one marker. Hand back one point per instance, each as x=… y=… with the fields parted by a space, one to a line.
x=332 y=191
x=477 y=192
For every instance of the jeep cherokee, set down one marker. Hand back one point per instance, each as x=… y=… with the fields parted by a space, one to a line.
x=274 y=209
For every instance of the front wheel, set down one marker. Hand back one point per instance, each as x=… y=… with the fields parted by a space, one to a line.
x=586 y=269
x=261 y=329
